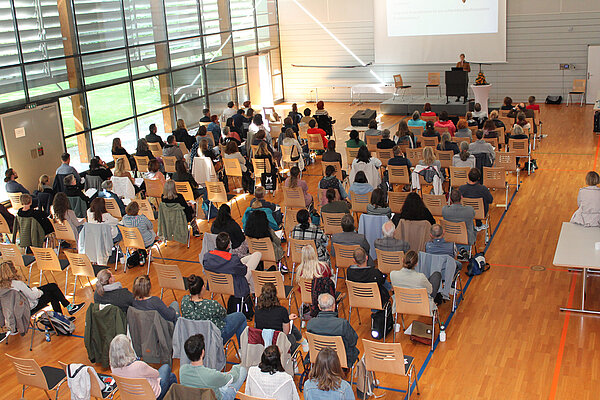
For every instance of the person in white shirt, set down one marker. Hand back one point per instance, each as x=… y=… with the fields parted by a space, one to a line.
x=229 y=112
x=269 y=380
x=97 y=214
x=256 y=125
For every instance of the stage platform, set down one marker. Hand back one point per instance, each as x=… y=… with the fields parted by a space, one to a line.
x=408 y=104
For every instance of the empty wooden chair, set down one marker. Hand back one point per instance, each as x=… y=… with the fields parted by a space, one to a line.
x=433 y=80
x=12 y=252
x=82 y=267
x=30 y=374
x=400 y=86
x=577 y=90
x=169 y=278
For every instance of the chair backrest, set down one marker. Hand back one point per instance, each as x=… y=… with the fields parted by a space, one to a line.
x=398 y=80
x=216 y=192
x=455 y=232
x=296 y=246
x=494 y=177
x=12 y=252
x=155 y=149
x=416 y=130
x=433 y=78
x=15 y=200
x=146 y=209
x=80 y=264
x=432 y=118
x=289 y=220
x=445 y=157
x=305 y=290
x=28 y=372
x=364 y=295
x=4 y=227
x=334 y=164
x=388 y=261
x=132 y=237
x=261 y=278
x=169 y=276
x=519 y=146
x=142 y=163
x=414 y=155
x=372 y=142
x=112 y=207
x=169 y=162
x=183 y=148
x=396 y=200
x=220 y=283
x=254 y=149
x=46 y=259
x=477 y=204
x=264 y=246
x=351 y=153
x=315 y=142
x=384 y=357
x=435 y=203
x=286 y=154
x=134 y=388
x=430 y=141
x=332 y=222
x=261 y=166
x=293 y=197
x=154 y=188
x=459 y=176
x=457 y=140
x=125 y=161
x=492 y=141
x=412 y=301
x=232 y=166
x=185 y=190
x=360 y=201
x=506 y=160
x=579 y=85
x=384 y=155
x=316 y=343
x=344 y=254
x=63 y=230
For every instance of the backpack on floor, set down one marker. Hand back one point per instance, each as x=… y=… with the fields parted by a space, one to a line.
x=379 y=320
x=234 y=304
x=477 y=265
x=53 y=321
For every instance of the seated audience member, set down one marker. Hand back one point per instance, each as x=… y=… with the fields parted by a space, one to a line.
x=388 y=242
x=263 y=153
x=121 y=171
x=132 y=219
x=63 y=213
x=215 y=128
x=333 y=205
x=427 y=110
x=470 y=120
x=172 y=149
x=195 y=306
x=463 y=129
x=289 y=139
x=363 y=273
x=520 y=108
x=518 y=133
x=126 y=364
x=271 y=315
x=429 y=159
x=225 y=223
x=225 y=385
x=430 y=131
x=416 y=120
x=326 y=379
x=306 y=230
x=182 y=174
x=12 y=186
x=295 y=115
x=201 y=135
x=98 y=168
x=37 y=297
x=368 y=164
x=44 y=185
x=307 y=118
x=107 y=193
x=386 y=142
x=494 y=118
x=531 y=104
x=257 y=227
x=261 y=137
x=229 y=112
x=182 y=136
x=142 y=150
x=269 y=379
x=72 y=190
x=321 y=109
x=354 y=141
x=378 y=204
x=222 y=261
x=320 y=275
x=314 y=130
x=152 y=136
x=331 y=155
x=475 y=190
x=399 y=159
x=445 y=122
x=154 y=172
x=438 y=245
x=447 y=144
x=372 y=131
x=360 y=185
x=507 y=104
x=66 y=169
x=481 y=146
x=230 y=135
x=170 y=196
x=206 y=151
x=479 y=114
x=404 y=135
x=330 y=181
x=258 y=205
x=109 y=291
x=522 y=121
x=588 y=202
x=117 y=148
x=27 y=211
x=456 y=212
x=205 y=115
x=349 y=236
x=408 y=278
x=413 y=209
x=238 y=122
x=143 y=301
x=288 y=123
x=259 y=195
x=295 y=181
x=327 y=323
x=489 y=129
x=463 y=158
x=257 y=125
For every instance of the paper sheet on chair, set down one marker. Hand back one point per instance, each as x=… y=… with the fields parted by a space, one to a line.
x=408 y=330
x=138 y=181
x=90 y=192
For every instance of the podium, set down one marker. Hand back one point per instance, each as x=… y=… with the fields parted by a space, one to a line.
x=482 y=95
x=457 y=84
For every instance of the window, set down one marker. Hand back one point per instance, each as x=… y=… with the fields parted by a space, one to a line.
x=220 y=75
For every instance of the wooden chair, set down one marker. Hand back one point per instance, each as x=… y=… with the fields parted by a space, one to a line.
x=284 y=292
x=430 y=142
x=286 y=156
x=146 y=209
x=169 y=278
x=142 y=163
x=495 y=178
x=169 y=162
x=295 y=250
x=398 y=175
x=183 y=148
x=30 y=374
x=217 y=195
x=433 y=80
x=63 y=231
x=15 y=200
x=5 y=230
x=427 y=118
x=12 y=252
x=396 y=200
x=521 y=148
x=414 y=155
x=459 y=176
x=384 y=155
x=290 y=221
x=315 y=142
x=445 y=157
x=344 y=256
x=305 y=294
x=293 y=197
x=435 y=203
x=389 y=358
x=372 y=142
x=95 y=391
x=132 y=240
x=416 y=130
x=134 y=388
x=400 y=86
x=456 y=232
x=578 y=90
x=125 y=161
x=220 y=284
x=112 y=207
x=47 y=260
x=336 y=165
x=477 y=204
x=81 y=266
x=366 y=295
x=155 y=149
x=442 y=129
x=457 y=140
x=233 y=170
x=388 y=261
x=359 y=202
x=351 y=153
x=332 y=223
x=492 y=141
x=265 y=246
x=185 y=189
x=414 y=302
x=261 y=166
x=316 y=343
x=154 y=189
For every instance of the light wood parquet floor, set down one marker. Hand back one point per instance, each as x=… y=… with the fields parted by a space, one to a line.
x=508 y=339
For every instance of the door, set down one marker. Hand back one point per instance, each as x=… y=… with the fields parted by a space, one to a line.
x=34 y=142
x=259 y=80
x=593 y=74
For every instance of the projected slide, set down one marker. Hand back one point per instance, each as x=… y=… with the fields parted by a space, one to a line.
x=441 y=17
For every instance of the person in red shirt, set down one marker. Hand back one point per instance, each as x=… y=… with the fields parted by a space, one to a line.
x=313 y=130
x=427 y=111
x=532 y=105
x=445 y=122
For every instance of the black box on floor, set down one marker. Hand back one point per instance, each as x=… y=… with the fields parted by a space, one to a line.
x=363 y=117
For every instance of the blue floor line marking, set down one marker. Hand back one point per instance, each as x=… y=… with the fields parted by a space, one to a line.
x=426 y=362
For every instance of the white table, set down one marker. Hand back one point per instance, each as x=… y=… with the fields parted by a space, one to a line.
x=375 y=88
x=576 y=249
x=482 y=95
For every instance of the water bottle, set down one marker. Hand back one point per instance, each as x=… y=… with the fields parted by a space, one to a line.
x=442 y=333
x=47 y=335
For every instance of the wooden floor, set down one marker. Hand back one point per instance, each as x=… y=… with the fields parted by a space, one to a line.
x=508 y=339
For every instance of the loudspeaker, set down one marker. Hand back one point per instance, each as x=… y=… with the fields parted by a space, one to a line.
x=363 y=117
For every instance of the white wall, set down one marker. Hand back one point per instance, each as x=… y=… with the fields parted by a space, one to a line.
x=540 y=34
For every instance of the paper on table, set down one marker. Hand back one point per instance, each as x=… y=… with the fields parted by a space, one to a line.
x=90 y=192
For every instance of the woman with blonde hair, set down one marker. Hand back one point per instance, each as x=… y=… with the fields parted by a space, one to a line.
x=170 y=196
x=588 y=200
x=121 y=172
x=326 y=379
x=429 y=159
x=319 y=273
x=44 y=184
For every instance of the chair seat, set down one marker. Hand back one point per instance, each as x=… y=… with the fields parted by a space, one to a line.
x=53 y=376
x=63 y=264
x=404 y=87
x=428 y=85
x=408 y=360
x=576 y=92
x=98 y=268
x=27 y=259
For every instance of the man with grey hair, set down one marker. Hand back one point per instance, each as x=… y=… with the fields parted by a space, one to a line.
x=386 y=142
x=388 y=242
x=327 y=323
x=350 y=237
x=438 y=244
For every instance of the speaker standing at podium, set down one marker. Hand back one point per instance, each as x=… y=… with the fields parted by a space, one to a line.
x=465 y=66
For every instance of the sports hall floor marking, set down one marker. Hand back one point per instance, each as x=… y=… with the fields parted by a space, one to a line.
x=524 y=267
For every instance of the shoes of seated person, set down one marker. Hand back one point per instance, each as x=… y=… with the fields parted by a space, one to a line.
x=3 y=336
x=463 y=255
x=72 y=319
x=73 y=308
x=283 y=269
x=482 y=227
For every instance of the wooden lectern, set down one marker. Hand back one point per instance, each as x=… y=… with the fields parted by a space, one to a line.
x=457 y=84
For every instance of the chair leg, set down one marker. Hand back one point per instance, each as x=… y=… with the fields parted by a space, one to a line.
x=174 y=295
x=358 y=313
x=416 y=379
x=66 y=278
x=74 y=288
x=161 y=293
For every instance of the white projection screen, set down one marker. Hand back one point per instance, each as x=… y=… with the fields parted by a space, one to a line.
x=437 y=31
